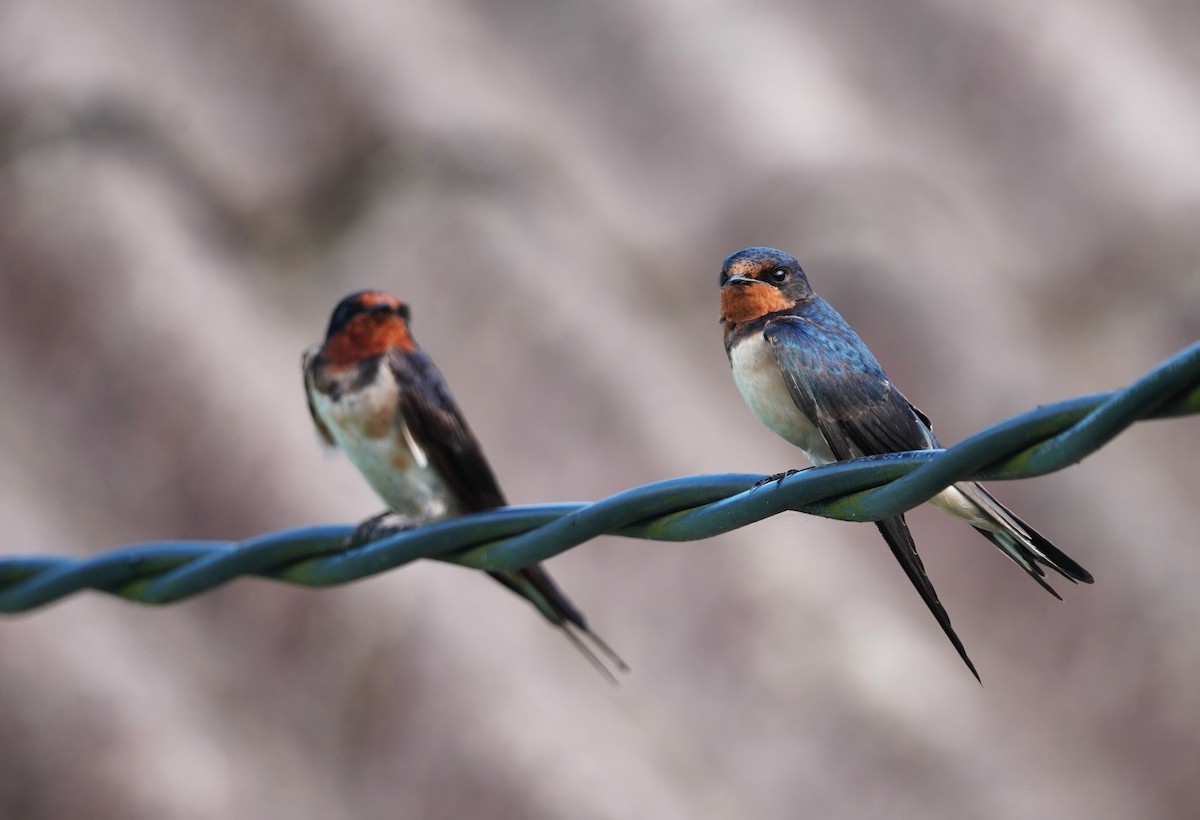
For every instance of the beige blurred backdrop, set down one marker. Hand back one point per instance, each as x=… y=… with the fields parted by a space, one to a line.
x=1003 y=197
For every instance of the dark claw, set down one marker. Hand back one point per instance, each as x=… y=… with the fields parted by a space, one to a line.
x=777 y=478
x=376 y=527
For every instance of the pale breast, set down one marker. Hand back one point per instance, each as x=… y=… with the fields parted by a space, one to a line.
x=366 y=426
x=757 y=376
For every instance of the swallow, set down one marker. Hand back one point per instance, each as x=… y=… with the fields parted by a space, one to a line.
x=810 y=379
x=374 y=394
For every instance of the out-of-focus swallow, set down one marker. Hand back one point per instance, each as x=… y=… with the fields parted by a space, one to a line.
x=376 y=395
x=809 y=377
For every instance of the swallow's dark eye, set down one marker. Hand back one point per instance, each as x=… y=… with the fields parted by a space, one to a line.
x=778 y=276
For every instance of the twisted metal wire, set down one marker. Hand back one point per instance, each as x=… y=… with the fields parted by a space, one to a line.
x=1040 y=441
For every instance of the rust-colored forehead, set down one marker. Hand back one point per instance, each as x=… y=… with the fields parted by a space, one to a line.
x=375 y=298
x=748 y=266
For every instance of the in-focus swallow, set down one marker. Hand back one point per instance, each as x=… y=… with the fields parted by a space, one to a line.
x=376 y=395
x=809 y=377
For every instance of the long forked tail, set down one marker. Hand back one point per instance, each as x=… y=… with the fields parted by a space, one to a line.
x=895 y=531
x=535 y=585
x=1022 y=543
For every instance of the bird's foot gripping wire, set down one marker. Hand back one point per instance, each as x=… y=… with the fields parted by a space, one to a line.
x=376 y=527
x=777 y=478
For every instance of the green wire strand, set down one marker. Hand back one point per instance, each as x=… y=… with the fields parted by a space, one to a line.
x=1040 y=441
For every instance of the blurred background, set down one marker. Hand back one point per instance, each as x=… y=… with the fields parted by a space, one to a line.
x=1002 y=197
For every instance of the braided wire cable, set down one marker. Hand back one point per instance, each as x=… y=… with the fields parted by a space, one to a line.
x=1037 y=442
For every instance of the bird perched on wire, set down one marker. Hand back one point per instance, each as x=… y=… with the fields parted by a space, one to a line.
x=809 y=378
x=379 y=398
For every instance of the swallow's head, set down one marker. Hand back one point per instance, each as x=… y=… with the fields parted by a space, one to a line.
x=759 y=281
x=365 y=324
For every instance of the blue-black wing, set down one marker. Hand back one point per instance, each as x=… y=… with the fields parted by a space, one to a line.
x=428 y=410
x=838 y=384
x=435 y=422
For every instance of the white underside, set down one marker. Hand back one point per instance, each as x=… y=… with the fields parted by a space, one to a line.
x=367 y=428
x=757 y=376
x=953 y=502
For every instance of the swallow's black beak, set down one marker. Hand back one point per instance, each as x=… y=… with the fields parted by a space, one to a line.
x=737 y=281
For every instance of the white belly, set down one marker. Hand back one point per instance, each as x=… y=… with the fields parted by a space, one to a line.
x=367 y=428
x=756 y=374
